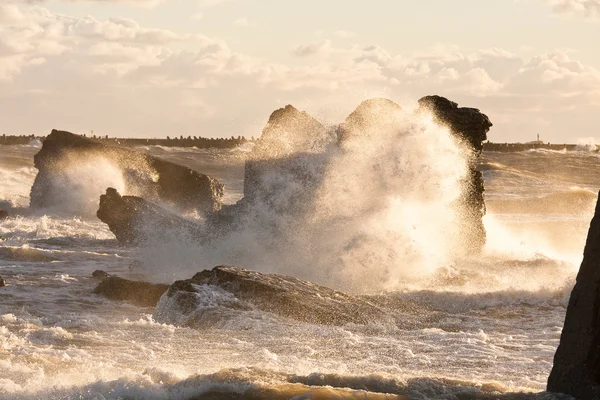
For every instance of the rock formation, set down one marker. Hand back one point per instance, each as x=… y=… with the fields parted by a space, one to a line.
x=145 y=175
x=244 y=290
x=372 y=117
x=576 y=369
x=289 y=136
x=135 y=221
x=143 y=294
x=3 y=214
x=470 y=127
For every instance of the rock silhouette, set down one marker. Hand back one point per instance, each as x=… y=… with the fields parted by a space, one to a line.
x=576 y=369
x=470 y=127
x=148 y=176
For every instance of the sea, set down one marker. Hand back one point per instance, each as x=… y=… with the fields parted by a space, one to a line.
x=487 y=328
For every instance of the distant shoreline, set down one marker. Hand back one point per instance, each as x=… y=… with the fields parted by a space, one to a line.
x=228 y=143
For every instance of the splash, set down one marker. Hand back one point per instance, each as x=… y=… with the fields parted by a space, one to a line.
x=380 y=214
x=586 y=144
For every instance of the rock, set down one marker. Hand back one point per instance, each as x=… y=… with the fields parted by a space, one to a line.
x=372 y=117
x=233 y=288
x=289 y=135
x=143 y=294
x=135 y=221
x=143 y=174
x=2 y=282
x=3 y=214
x=470 y=127
x=99 y=274
x=576 y=369
x=24 y=254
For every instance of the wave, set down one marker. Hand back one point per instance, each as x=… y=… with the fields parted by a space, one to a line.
x=258 y=384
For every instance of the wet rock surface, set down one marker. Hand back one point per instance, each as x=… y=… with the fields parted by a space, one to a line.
x=135 y=221
x=278 y=294
x=148 y=176
x=143 y=294
x=470 y=127
x=576 y=369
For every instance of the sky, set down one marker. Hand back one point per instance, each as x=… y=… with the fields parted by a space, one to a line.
x=218 y=68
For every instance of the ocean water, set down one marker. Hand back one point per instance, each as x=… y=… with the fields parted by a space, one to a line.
x=488 y=325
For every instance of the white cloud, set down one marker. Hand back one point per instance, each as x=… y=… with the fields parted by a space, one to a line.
x=586 y=8
x=118 y=77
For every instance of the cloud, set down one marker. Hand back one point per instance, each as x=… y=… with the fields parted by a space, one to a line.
x=120 y=78
x=242 y=22
x=585 y=8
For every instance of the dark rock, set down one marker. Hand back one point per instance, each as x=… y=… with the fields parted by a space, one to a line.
x=24 y=254
x=2 y=282
x=470 y=127
x=99 y=274
x=282 y=295
x=135 y=221
x=148 y=176
x=3 y=214
x=576 y=369
x=143 y=294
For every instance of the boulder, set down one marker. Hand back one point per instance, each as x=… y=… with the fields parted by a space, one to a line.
x=3 y=214
x=135 y=221
x=470 y=127
x=2 y=282
x=143 y=174
x=239 y=289
x=576 y=369
x=143 y=294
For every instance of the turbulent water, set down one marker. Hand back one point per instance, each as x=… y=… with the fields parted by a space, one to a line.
x=488 y=325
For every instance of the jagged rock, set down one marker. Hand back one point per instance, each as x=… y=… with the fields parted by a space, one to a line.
x=143 y=294
x=3 y=214
x=469 y=126
x=2 y=282
x=282 y=295
x=576 y=369
x=135 y=221
x=148 y=176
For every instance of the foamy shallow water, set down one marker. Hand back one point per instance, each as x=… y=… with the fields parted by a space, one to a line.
x=491 y=324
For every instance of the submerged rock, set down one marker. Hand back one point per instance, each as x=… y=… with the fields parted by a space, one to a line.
x=143 y=294
x=135 y=221
x=576 y=369
x=193 y=301
x=24 y=254
x=154 y=179
x=470 y=127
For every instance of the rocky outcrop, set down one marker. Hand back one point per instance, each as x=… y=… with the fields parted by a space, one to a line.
x=143 y=294
x=470 y=127
x=135 y=221
x=144 y=175
x=372 y=117
x=289 y=137
x=576 y=369
x=230 y=289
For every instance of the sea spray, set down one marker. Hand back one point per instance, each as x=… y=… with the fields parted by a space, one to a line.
x=379 y=211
